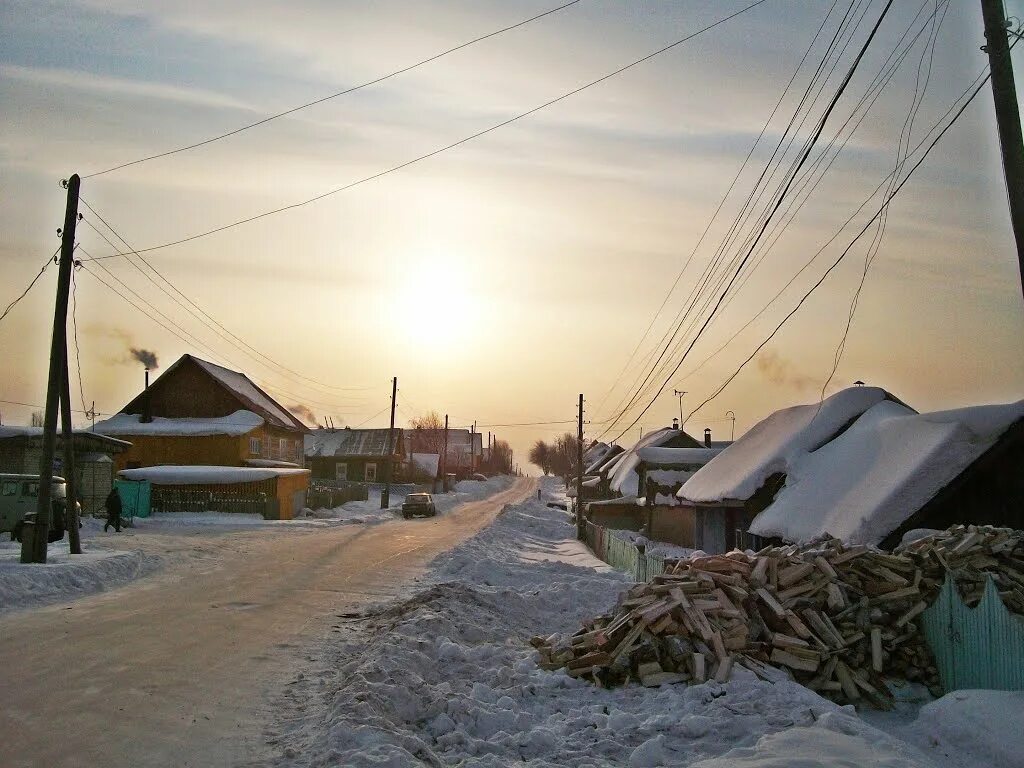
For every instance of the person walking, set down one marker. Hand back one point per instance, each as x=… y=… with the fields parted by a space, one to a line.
x=113 y=505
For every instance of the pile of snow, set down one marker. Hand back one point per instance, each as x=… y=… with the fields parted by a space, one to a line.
x=657 y=548
x=447 y=677
x=238 y=423
x=968 y=729
x=29 y=585
x=887 y=465
x=776 y=443
x=204 y=475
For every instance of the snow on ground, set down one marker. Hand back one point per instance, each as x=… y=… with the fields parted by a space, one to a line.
x=446 y=676
x=65 y=575
x=110 y=560
x=657 y=548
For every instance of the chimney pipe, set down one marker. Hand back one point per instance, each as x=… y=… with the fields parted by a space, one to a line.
x=675 y=423
x=707 y=437
x=147 y=409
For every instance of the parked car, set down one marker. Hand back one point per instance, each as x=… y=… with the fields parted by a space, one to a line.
x=418 y=504
x=18 y=494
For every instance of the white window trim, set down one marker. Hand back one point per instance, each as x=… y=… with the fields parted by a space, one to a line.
x=366 y=472
x=341 y=471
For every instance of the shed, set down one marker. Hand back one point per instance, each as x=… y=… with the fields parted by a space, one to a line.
x=284 y=488
x=21 y=450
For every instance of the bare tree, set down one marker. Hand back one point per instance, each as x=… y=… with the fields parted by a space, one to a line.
x=427 y=433
x=540 y=454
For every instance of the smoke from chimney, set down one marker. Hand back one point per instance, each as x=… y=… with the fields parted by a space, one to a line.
x=303 y=412
x=145 y=357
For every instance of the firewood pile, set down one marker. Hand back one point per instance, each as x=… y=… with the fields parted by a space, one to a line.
x=972 y=554
x=839 y=619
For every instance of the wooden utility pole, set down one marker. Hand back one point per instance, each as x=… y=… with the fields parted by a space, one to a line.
x=385 y=496
x=33 y=549
x=472 y=448
x=1004 y=94
x=70 y=475
x=444 y=458
x=579 y=473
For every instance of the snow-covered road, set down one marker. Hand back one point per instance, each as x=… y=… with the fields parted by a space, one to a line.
x=174 y=669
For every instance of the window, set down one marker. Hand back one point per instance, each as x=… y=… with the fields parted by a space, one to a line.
x=30 y=488
x=371 y=473
x=341 y=471
x=10 y=488
x=282 y=447
x=254 y=446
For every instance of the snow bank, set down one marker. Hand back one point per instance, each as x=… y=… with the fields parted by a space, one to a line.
x=447 y=677
x=775 y=443
x=238 y=423
x=201 y=475
x=970 y=729
x=658 y=548
x=887 y=465
x=65 y=576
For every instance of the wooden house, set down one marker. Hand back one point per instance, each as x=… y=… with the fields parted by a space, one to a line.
x=21 y=450
x=199 y=413
x=861 y=466
x=355 y=455
x=465 y=448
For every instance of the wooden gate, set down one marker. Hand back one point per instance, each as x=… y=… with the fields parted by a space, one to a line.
x=981 y=647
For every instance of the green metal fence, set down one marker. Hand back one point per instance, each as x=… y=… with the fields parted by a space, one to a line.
x=621 y=554
x=981 y=647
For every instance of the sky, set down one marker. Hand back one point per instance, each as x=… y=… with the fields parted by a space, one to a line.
x=501 y=278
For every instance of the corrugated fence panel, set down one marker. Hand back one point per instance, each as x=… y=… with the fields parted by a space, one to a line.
x=981 y=647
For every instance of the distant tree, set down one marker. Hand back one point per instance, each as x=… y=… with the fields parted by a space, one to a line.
x=37 y=418
x=563 y=455
x=427 y=435
x=540 y=455
x=501 y=457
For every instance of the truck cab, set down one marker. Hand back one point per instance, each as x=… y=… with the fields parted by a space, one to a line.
x=18 y=497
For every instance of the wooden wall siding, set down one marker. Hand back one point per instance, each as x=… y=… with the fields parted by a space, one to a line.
x=323 y=467
x=675 y=525
x=628 y=517
x=212 y=450
x=187 y=392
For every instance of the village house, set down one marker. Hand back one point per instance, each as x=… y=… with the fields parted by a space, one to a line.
x=21 y=450
x=465 y=448
x=861 y=466
x=199 y=413
x=338 y=456
x=619 y=508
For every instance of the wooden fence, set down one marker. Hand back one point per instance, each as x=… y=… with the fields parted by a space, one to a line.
x=621 y=554
x=980 y=647
x=328 y=497
x=171 y=499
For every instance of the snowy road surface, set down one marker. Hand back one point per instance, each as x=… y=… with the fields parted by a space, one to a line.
x=173 y=670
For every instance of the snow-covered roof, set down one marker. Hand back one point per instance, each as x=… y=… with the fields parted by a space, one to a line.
x=677 y=456
x=238 y=423
x=623 y=478
x=428 y=462
x=352 y=442
x=775 y=443
x=864 y=484
x=202 y=475
x=604 y=459
x=249 y=393
x=34 y=432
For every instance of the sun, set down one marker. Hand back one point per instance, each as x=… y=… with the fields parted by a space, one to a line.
x=438 y=307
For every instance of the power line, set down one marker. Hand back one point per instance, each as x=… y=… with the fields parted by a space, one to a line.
x=74 y=327
x=842 y=255
x=803 y=158
x=31 y=284
x=454 y=144
x=321 y=100
x=206 y=318
x=718 y=209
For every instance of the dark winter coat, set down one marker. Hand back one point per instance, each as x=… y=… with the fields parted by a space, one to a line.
x=113 y=504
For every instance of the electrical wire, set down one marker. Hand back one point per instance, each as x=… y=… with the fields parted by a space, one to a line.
x=321 y=100
x=845 y=251
x=31 y=284
x=74 y=328
x=205 y=317
x=453 y=145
